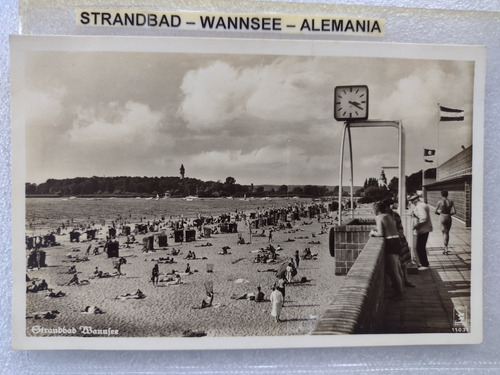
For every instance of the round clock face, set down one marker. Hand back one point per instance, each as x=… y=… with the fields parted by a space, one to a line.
x=351 y=103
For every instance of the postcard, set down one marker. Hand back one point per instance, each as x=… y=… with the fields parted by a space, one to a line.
x=198 y=193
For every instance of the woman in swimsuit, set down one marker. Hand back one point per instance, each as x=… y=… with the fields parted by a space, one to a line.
x=445 y=208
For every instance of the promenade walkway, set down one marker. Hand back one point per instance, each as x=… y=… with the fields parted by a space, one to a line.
x=440 y=302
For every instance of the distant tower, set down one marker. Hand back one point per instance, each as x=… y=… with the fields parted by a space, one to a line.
x=182 y=171
x=382 y=180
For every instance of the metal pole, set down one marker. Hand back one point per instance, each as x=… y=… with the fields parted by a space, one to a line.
x=341 y=171
x=402 y=177
x=352 y=172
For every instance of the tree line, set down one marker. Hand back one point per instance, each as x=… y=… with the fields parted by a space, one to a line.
x=182 y=187
x=161 y=186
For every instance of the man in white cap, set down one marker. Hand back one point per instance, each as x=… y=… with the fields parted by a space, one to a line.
x=422 y=228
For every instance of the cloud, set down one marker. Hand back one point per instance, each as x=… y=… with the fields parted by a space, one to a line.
x=115 y=124
x=282 y=91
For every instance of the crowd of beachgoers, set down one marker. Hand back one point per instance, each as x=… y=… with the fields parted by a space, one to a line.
x=262 y=272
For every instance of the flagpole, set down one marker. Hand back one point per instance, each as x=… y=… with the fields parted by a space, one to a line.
x=437 y=148
x=423 y=175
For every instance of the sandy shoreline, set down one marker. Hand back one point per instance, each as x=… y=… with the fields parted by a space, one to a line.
x=167 y=310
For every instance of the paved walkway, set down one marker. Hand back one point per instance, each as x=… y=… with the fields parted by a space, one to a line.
x=440 y=302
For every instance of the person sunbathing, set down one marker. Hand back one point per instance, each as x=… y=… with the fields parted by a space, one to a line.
x=174 y=281
x=137 y=295
x=56 y=295
x=92 y=310
x=43 y=286
x=74 y=280
x=33 y=288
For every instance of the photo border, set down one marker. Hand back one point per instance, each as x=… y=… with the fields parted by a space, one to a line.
x=22 y=44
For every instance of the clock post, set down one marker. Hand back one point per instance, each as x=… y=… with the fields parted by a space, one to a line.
x=351 y=106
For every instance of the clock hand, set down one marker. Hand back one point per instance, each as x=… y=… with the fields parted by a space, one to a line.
x=356 y=104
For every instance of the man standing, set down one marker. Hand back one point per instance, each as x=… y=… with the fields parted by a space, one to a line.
x=276 y=299
x=422 y=228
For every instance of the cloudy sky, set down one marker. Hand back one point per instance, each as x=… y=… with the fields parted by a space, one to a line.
x=258 y=118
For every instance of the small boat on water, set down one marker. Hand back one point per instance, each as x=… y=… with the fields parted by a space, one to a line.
x=190 y=198
x=72 y=198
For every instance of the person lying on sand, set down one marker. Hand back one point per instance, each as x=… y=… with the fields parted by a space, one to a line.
x=189 y=333
x=137 y=295
x=204 y=245
x=92 y=310
x=175 y=252
x=166 y=260
x=177 y=280
x=51 y=314
x=43 y=285
x=34 y=288
x=268 y=270
x=243 y=296
x=55 y=295
x=75 y=281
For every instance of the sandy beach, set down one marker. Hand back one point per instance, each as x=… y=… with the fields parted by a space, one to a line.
x=167 y=310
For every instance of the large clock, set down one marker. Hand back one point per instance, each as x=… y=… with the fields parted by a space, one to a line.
x=351 y=103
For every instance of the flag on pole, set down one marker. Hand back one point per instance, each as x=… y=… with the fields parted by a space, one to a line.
x=450 y=114
x=429 y=152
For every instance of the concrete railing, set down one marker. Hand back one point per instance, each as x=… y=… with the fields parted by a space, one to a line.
x=358 y=305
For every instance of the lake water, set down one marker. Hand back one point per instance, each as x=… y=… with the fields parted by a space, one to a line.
x=43 y=213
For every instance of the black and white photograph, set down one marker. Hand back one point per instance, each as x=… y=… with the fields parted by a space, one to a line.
x=210 y=193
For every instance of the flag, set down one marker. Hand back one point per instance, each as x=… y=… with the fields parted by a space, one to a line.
x=450 y=114
x=429 y=161
x=429 y=152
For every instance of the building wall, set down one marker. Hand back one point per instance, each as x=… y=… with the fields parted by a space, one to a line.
x=458 y=165
x=455 y=176
x=459 y=193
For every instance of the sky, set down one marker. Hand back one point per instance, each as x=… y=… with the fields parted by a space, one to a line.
x=262 y=119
